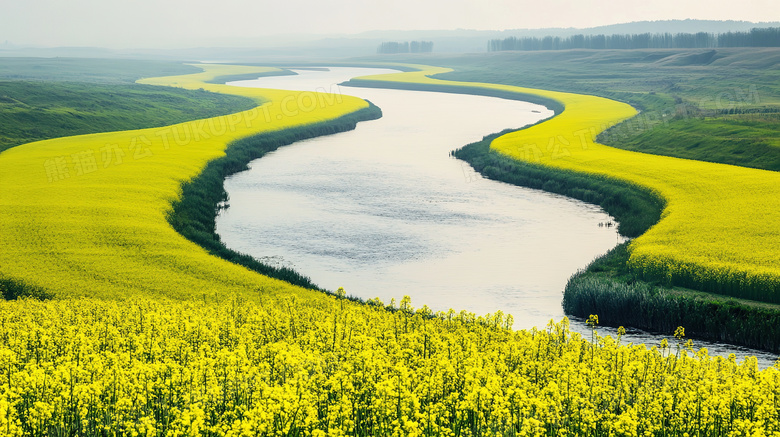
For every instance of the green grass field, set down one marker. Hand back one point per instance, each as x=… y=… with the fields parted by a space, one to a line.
x=674 y=90
x=32 y=111
x=51 y=98
x=96 y=71
x=743 y=140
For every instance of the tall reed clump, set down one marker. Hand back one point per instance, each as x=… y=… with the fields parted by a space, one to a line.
x=608 y=288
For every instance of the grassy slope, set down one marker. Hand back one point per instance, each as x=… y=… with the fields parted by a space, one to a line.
x=43 y=98
x=78 y=213
x=609 y=289
x=32 y=111
x=96 y=71
x=746 y=141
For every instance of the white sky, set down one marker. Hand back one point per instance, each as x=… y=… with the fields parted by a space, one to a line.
x=187 y=23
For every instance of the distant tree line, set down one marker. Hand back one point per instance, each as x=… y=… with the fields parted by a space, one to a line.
x=757 y=37
x=405 y=47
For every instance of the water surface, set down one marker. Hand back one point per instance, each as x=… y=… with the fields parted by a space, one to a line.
x=384 y=211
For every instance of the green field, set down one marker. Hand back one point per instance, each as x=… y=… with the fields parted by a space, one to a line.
x=32 y=111
x=51 y=98
x=96 y=71
x=743 y=140
x=676 y=90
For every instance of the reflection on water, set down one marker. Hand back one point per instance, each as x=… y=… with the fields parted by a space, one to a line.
x=383 y=211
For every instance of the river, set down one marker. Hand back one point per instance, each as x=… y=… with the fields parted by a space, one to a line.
x=384 y=211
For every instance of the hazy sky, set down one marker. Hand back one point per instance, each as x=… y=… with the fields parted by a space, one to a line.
x=186 y=23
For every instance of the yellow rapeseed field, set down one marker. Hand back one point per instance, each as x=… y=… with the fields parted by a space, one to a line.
x=278 y=366
x=86 y=215
x=720 y=229
x=150 y=336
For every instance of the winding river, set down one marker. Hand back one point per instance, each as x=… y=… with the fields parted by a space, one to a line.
x=384 y=211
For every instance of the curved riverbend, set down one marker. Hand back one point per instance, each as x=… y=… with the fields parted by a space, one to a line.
x=721 y=224
x=297 y=178
x=384 y=211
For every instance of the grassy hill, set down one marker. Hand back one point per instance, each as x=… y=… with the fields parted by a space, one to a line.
x=51 y=98
x=706 y=94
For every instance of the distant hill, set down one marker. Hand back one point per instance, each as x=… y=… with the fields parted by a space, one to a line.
x=661 y=26
x=312 y=47
x=470 y=41
x=462 y=40
x=676 y=26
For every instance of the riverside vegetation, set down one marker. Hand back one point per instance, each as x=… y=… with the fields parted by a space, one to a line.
x=141 y=332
